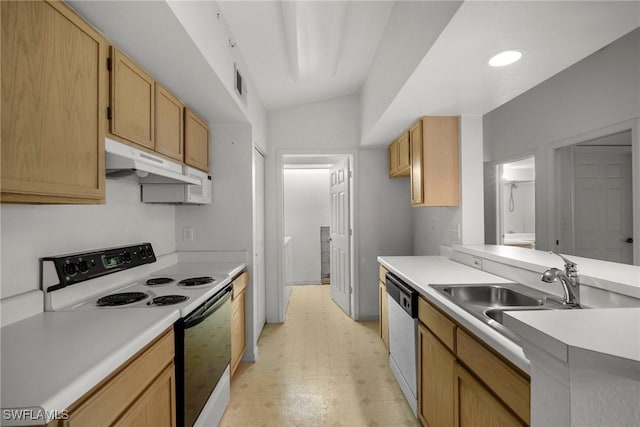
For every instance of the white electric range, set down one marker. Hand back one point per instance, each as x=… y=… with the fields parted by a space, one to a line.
x=122 y=278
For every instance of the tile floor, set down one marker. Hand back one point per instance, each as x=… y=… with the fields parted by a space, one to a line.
x=319 y=368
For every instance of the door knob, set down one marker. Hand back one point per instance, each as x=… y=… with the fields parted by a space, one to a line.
x=629 y=240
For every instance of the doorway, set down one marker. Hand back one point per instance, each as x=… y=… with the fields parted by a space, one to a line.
x=516 y=203
x=594 y=201
x=317 y=206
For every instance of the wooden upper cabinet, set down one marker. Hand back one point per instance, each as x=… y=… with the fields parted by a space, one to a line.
x=415 y=144
x=53 y=117
x=169 y=124
x=196 y=141
x=132 y=101
x=435 y=161
x=399 y=156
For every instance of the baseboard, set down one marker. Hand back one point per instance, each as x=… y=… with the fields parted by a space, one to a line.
x=367 y=317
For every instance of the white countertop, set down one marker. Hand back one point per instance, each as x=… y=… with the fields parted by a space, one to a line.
x=610 y=331
x=51 y=359
x=422 y=271
x=611 y=276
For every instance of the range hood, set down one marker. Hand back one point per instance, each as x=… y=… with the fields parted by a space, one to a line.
x=124 y=160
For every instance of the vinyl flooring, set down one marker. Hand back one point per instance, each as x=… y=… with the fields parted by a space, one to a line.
x=318 y=368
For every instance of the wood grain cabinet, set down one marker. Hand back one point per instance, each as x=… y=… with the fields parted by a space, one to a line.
x=169 y=124
x=238 y=320
x=53 y=119
x=141 y=393
x=461 y=381
x=435 y=161
x=399 y=157
x=383 y=308
x=132 y=102
x=196 y=141
x=475 y=405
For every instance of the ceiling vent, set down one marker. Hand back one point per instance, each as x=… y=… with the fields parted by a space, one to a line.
x=240 y=85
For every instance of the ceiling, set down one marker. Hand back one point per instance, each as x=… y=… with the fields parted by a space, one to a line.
x=453 y=77
x=258 y=31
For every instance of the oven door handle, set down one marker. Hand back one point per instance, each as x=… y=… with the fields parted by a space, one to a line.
x=208 y=309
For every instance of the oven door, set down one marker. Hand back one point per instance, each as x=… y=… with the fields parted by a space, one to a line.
x=203 y=352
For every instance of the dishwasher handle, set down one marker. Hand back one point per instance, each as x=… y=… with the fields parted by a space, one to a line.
x=403 y=294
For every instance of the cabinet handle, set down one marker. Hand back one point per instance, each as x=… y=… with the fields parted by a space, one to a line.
x=629 y=240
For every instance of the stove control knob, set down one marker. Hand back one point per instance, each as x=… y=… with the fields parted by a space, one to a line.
x=126 y=256
x=143 y=252
x=69 y=269
x=83 y=266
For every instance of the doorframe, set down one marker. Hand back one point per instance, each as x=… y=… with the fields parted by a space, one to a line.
x=632 y=125
x=354 y=276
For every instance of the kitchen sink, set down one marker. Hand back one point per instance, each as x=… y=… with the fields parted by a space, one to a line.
x=497 y=314
x=491 y=296
x=489 y=302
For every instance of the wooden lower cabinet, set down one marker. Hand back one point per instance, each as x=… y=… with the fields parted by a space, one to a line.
x=238 y=320
x=141 y=393
x=475 y=405
x=436 y=369
x=461 y=381
x=383 y=308
x=156 y=406
x=383 y=315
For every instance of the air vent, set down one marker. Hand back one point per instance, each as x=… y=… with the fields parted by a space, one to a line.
x=240 y=85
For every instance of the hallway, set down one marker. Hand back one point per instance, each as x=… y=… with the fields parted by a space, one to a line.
x=319 y=368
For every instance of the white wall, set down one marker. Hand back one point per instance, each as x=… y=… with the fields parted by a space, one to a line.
x=433 y=227
x=383 y=223
x=411 y=30
x=306 y=209
x=600 y=91
x=227 y=223
x=30 y=232
x=333 y=127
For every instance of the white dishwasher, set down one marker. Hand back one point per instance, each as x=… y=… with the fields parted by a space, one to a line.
x=403 y=335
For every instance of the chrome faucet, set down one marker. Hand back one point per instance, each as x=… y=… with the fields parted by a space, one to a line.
x=568 y=279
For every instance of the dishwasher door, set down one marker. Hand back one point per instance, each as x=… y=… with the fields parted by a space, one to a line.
x=403 y=335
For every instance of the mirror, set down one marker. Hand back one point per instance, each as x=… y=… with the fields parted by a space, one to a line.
x=594 y=198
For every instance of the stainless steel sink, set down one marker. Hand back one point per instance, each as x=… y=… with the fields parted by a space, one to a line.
x=497 y=314
x=489 y=302
x=491 y=296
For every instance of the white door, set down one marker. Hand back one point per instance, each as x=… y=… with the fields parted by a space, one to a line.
x=258 y=243
x=340 y=236
x=603 y=203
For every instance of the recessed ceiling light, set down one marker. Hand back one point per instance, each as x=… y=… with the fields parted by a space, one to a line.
x=505 y=58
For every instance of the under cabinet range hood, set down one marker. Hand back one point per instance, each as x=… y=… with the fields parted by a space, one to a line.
x=124 y=160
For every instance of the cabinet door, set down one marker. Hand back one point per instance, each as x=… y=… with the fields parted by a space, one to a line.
x=156 y=406
x=393 y=159
x=416 y=170
x=132 y=101
x=238 y=327
x=383 y=309
x=169 y=124
x=53 y=105
x=436 y=370
x=404 y=157
x=196 y=141
x=441 y=161
x=475 y=405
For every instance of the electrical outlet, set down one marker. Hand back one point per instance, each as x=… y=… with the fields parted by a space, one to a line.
x=187 y=234
x=477 y=263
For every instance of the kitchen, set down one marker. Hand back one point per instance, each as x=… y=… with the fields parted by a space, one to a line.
x=239 y=132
